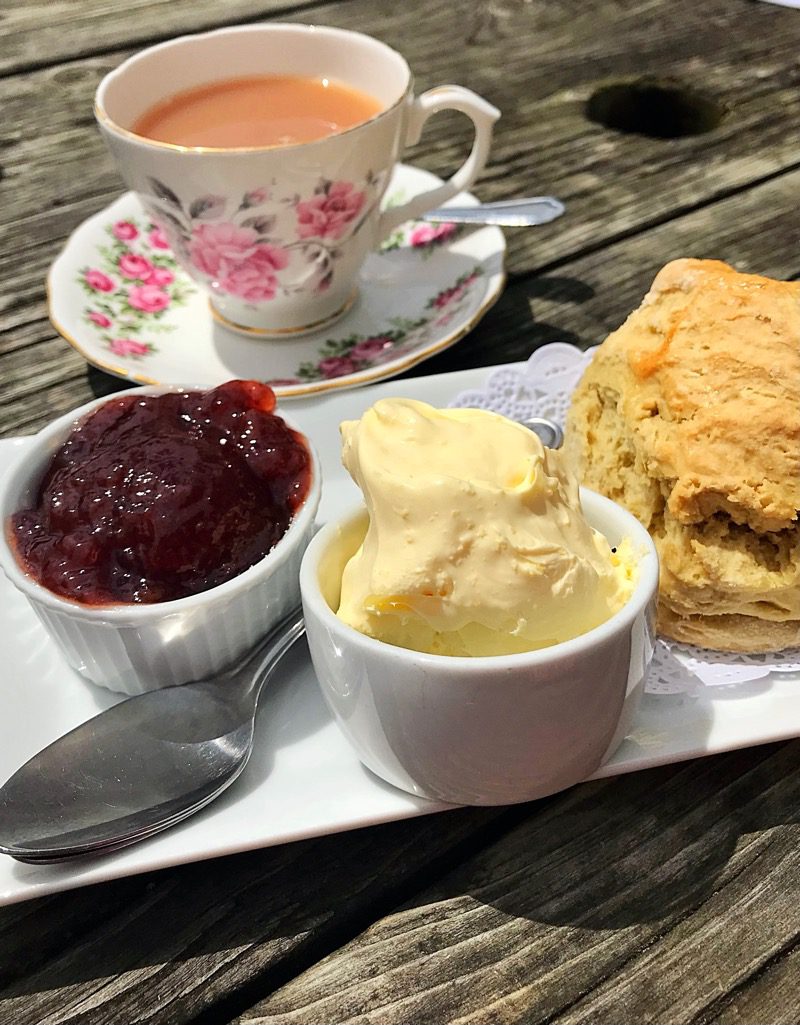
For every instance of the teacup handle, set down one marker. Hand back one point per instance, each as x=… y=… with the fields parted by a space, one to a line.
x=483 y=116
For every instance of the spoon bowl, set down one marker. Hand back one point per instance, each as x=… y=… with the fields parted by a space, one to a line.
x=141 y=766
x=548 y=432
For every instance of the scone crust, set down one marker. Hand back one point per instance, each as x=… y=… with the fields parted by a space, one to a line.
x=689 y=415
x=744 y=634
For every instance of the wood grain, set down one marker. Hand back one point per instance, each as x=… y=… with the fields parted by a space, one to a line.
x=540 y=63
x=644 y=899
x=670 y=896
x=172 y=945
x=37 y=34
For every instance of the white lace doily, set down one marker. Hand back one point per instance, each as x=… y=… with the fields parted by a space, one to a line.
x=543 y=388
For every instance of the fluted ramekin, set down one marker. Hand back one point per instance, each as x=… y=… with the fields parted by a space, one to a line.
x=486 y=730
x=134 y=648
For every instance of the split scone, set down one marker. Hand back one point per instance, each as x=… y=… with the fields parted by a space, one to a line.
x=689 y=415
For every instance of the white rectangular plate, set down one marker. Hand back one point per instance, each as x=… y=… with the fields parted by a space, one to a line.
x=303 y=779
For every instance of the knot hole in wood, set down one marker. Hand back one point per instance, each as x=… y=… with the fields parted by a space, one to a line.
x=659 y=109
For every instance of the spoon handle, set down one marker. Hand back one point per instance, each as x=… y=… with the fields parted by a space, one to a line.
x=142 y=765
x=257 y=665
x=513 y=213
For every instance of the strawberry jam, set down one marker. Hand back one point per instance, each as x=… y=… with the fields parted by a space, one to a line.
x=155 y=497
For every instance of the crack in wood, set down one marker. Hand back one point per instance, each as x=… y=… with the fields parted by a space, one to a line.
x=678 y=212
x=713 y=1010
x=212 y=21
x=313 y=950
x=619 y=967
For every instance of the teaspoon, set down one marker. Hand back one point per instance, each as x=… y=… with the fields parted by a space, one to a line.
x=142 y=765
x=510 y=213
x=550 y=434
x=149 y=762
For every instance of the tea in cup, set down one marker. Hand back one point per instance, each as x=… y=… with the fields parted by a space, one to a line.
x=264 y=152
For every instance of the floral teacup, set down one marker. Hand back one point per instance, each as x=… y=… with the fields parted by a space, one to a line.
x=278 y=234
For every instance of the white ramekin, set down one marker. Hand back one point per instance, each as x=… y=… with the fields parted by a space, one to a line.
x=494 y=730
x=135 y=648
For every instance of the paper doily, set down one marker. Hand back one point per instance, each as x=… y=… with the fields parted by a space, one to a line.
x=543 y=388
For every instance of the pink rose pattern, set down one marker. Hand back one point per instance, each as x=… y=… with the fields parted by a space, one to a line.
x=452 y=295
x=98 y=281
x=135 y=285
x=448 y=302
x=133 y=266
x=255 y=197
x=214 y=248
x=129 y=347
x=160 y=276
x=157 y=239
x=241 y=250
x=138 y=280
x=343 y=356
x=237 y=258
x=430 y=234
x=423 y=237
x=125 y=231
x=148 y=298
x=330 y=212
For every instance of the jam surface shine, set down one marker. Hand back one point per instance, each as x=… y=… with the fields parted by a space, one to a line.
x=156 y=497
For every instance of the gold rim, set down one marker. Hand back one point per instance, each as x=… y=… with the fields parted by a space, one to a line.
x=283 y=332
x=292 y=391
x=282 y=391
x=397 y=368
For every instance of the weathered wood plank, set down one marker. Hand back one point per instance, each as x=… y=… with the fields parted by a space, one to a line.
x=578 y=301
x=771 y=997
x=538 y=63
x=165 y=947
x=36 y=34
x=664 y=896
x=743 y=926
x=642 y=900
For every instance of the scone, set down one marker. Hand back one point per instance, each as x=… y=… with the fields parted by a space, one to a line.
x=689 y=415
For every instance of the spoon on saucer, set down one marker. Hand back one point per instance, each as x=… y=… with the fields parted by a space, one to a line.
x=150 y=761
x=510 y=213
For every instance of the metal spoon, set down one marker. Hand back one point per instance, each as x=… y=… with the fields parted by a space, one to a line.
x=510 y=213
x=149 y=762
x=550 y=434
x=140 y=766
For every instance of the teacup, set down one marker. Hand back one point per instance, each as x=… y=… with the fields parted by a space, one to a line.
x=277 y=234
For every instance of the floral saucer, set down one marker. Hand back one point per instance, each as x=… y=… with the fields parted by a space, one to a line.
x=118 y=296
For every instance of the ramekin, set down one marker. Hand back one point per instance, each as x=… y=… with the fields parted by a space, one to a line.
x=135 y=648
x=490 y=730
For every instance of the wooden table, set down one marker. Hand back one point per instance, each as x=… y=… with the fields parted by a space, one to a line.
x=668 y=896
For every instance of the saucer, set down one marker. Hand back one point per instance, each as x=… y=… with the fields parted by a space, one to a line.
x=118 y=296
